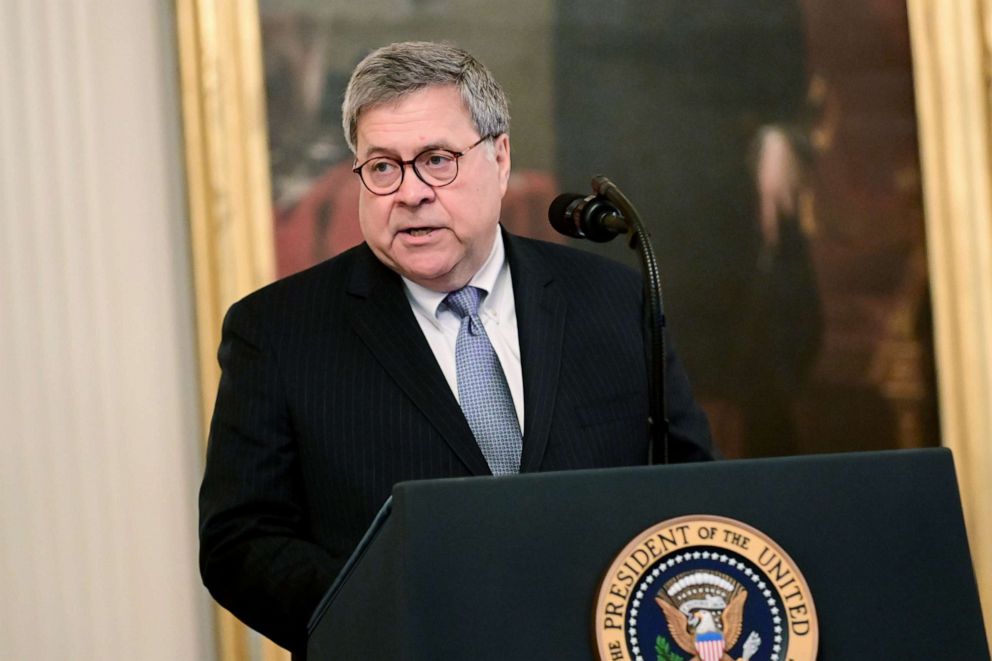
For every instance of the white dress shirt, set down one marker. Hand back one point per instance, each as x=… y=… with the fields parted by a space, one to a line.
x=499 y=317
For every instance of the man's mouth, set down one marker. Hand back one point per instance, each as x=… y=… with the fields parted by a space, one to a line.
x=419 y=231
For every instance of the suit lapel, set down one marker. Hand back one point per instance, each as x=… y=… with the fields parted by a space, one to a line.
x=381 y=315
x=541 y=329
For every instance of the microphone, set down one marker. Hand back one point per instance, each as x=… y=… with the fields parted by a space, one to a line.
x=591 y=217
x=600 y=217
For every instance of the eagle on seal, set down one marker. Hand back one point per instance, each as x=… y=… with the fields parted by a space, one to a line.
x=706 y=622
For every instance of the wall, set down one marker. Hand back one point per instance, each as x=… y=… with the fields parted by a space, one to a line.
x=98 y=403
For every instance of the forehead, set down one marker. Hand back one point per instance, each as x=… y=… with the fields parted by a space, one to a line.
x=433 y=116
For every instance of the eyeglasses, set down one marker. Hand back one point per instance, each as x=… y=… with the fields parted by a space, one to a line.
x=383 y=175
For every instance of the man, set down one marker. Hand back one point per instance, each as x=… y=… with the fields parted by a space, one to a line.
x=362 y=372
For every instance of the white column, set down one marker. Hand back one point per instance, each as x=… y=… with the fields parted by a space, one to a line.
x=98 y=395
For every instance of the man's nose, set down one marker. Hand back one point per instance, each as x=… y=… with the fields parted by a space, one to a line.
x=413 y=191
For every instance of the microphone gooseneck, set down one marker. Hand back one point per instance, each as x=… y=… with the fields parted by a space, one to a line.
x=601 y=217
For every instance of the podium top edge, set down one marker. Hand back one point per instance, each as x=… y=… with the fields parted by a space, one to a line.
x=826 y=460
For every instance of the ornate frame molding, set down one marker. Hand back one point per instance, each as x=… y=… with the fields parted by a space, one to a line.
x=227 y=175
x=232 y=245
x=952 y=54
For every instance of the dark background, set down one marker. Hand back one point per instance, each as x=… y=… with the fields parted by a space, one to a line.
x=818 y=341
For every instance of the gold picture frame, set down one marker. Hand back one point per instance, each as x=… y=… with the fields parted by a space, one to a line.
x=230 y=214
x=952 y=62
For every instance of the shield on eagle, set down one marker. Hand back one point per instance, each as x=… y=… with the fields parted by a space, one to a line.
x=709 y=646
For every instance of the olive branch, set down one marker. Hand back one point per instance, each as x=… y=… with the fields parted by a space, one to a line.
x=664 y=651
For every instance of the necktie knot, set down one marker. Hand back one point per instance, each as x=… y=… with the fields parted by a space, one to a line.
x=465 y=301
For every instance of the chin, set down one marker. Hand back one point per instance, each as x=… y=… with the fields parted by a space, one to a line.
x=427 y=269
x=422 y=276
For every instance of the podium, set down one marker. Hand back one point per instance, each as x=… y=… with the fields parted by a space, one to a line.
x=511 y=567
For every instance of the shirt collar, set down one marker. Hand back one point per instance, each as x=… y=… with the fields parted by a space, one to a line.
x=429 y=301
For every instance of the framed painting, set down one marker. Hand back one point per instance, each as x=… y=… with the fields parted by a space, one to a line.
x=773 y=156
x=812 y=258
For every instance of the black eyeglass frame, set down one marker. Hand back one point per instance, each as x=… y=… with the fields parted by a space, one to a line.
x=413 y=165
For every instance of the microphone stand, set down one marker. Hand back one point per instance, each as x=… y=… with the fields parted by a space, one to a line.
x=640 y=240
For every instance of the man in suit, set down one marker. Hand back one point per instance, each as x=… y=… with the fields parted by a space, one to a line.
x=376 y=366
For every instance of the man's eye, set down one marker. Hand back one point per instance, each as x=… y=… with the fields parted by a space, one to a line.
x=437 y=160
x=381 y=167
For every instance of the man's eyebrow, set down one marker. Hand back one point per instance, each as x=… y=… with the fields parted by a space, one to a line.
x=437 y=145
x=374 y=151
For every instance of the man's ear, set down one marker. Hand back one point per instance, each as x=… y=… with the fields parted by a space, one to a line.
x=501 y=148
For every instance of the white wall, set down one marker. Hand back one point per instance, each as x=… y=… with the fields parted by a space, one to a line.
x=99 y=439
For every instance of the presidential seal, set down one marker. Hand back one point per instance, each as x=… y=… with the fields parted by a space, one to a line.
x=704 y=588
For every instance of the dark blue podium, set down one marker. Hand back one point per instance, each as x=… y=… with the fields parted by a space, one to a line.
x=509 y=568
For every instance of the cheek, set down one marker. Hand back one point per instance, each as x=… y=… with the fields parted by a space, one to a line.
x=372 y=215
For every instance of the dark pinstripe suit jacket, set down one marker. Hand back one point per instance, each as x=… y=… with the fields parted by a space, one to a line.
x=330 y=394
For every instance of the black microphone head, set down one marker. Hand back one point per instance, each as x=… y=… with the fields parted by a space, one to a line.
x=598 y=219
x=591 y=217
x=560 y=214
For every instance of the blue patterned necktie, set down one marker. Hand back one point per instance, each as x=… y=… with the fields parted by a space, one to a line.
x=482 y=390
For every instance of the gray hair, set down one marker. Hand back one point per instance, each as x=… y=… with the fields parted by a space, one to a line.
x=399 y=69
